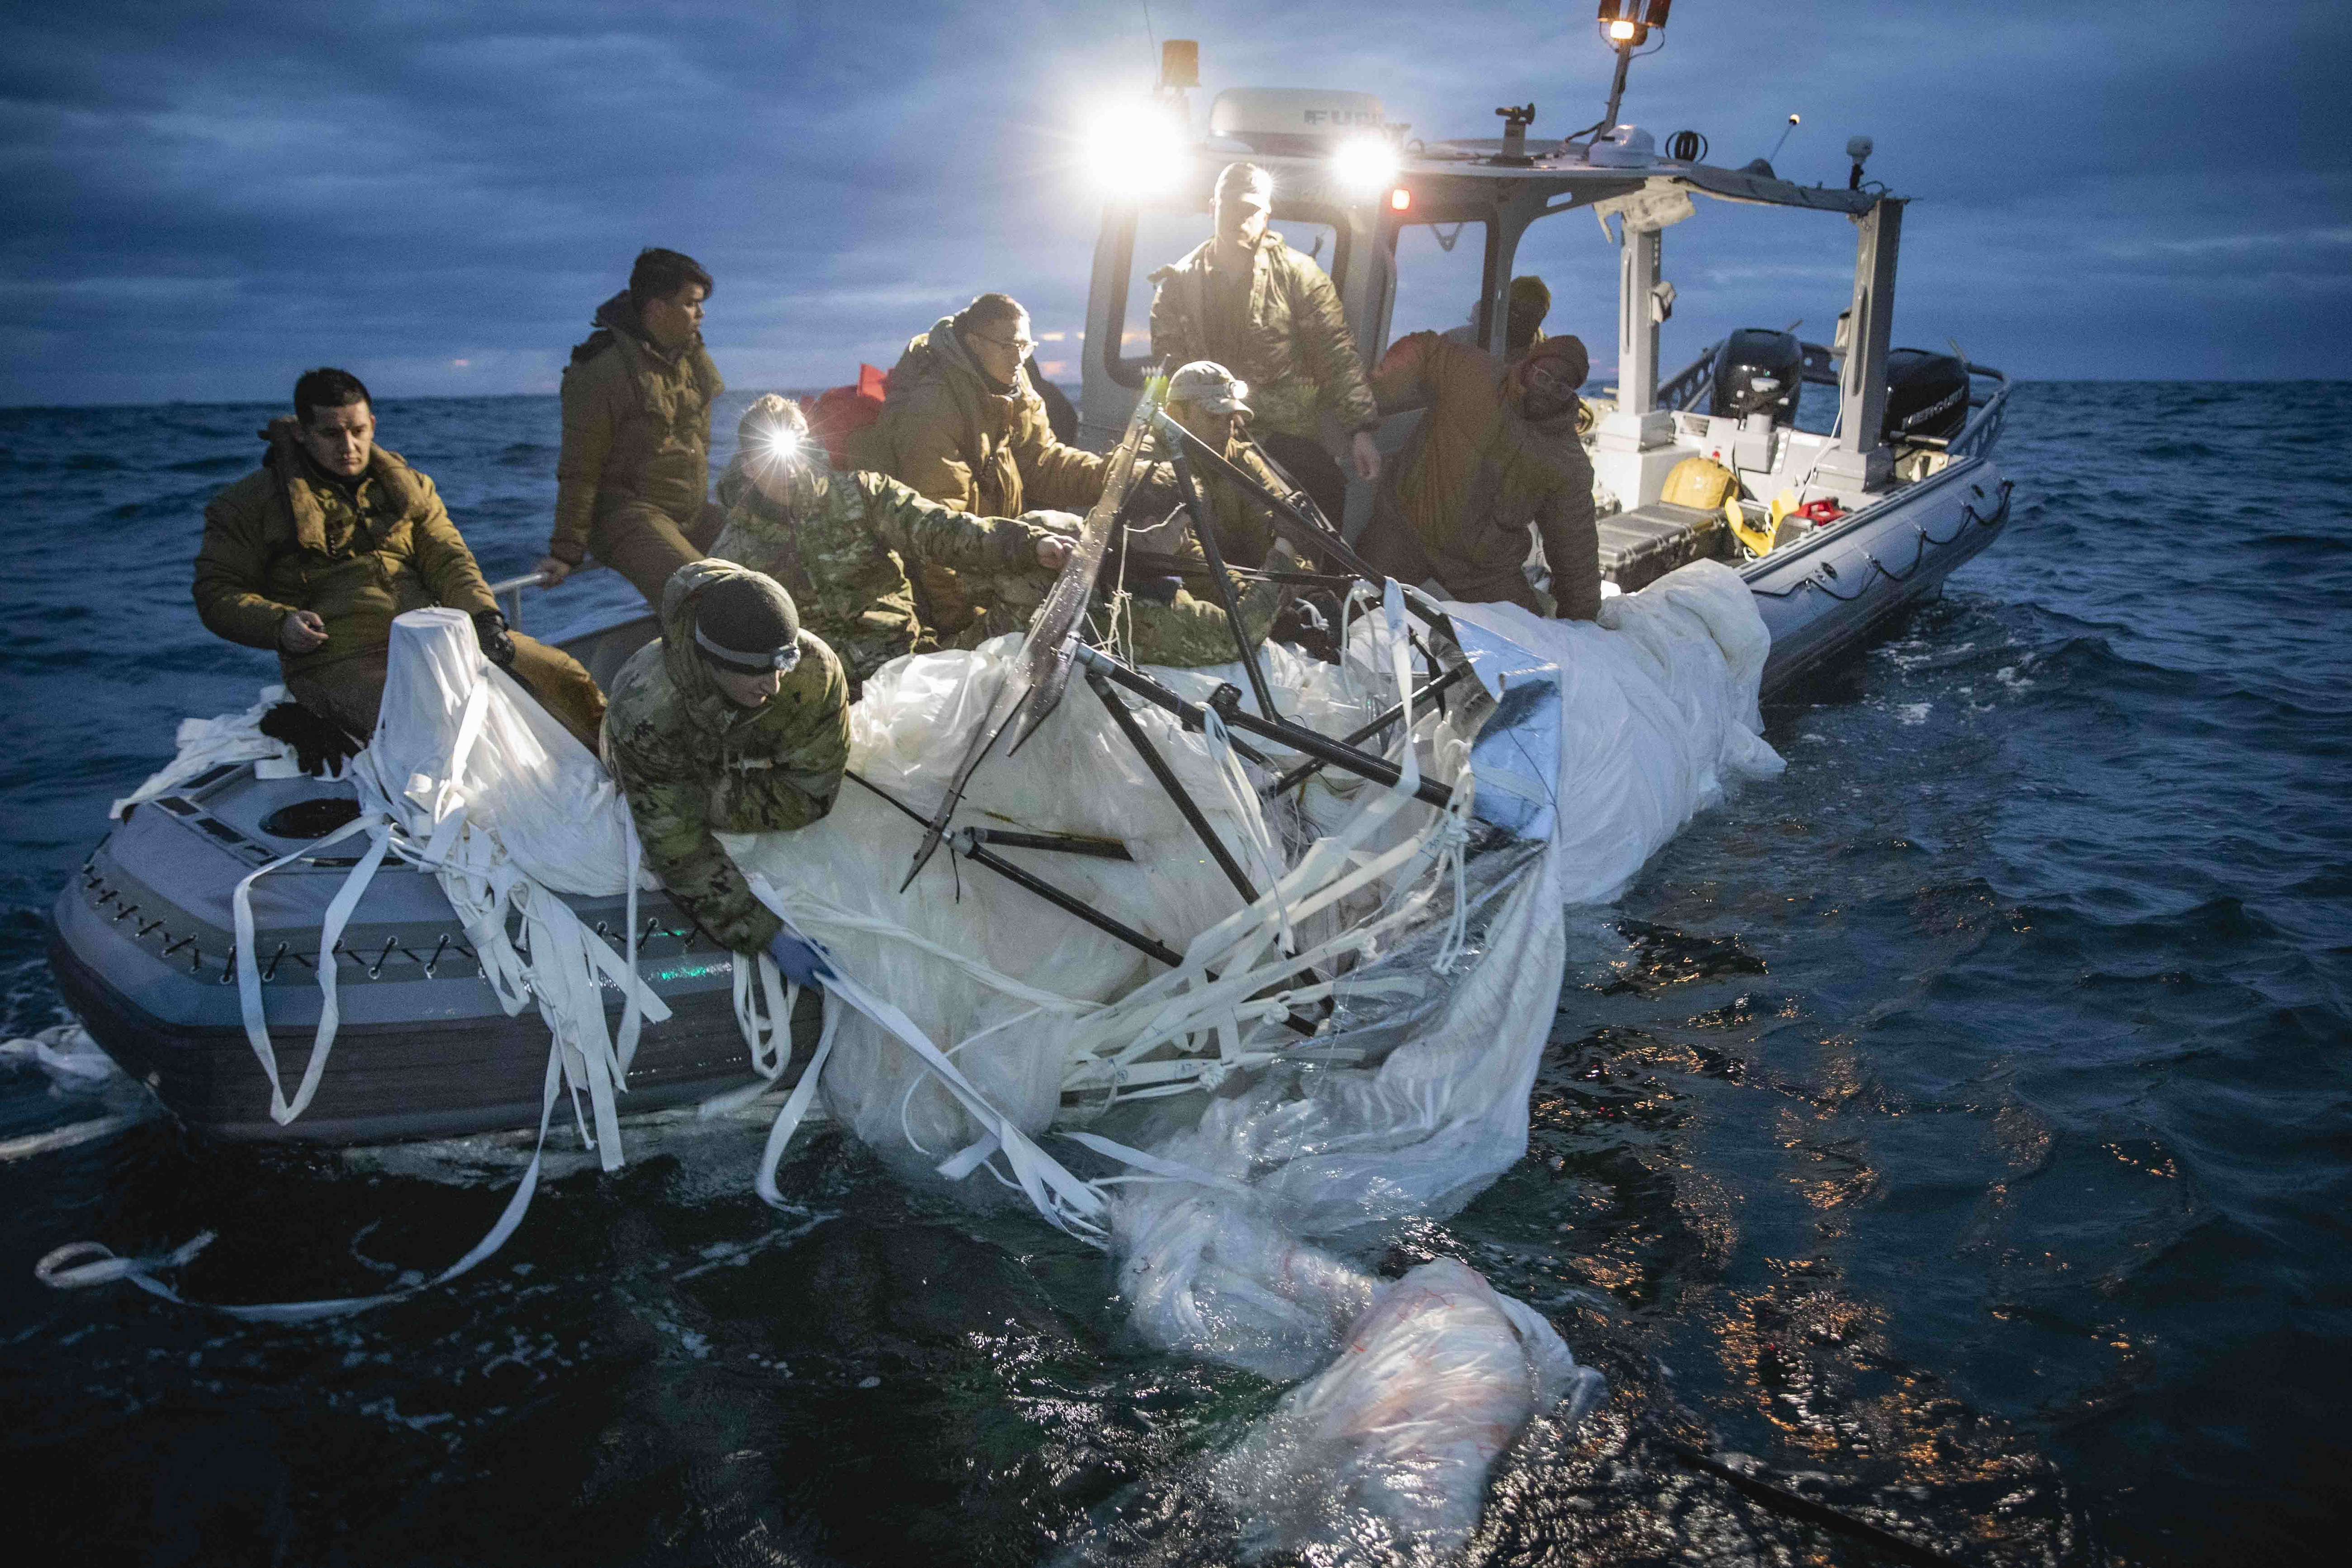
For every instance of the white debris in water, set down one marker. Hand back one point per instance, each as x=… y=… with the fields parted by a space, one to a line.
x=1914 y=713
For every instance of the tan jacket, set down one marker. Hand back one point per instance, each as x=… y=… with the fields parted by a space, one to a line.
x=287 y=538
x=954 y=439
x=636 y=428
x=1476 y=474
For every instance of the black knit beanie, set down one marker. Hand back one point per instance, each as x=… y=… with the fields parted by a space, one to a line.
x=747 y=624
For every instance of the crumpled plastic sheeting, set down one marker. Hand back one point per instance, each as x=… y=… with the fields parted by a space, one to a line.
x=1384 y=1454
x=204 y=743
x=983 y=966
x=74 y=1061
x=1657 y=712
x=526 y=782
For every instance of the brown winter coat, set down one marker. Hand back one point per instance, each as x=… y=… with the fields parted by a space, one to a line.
x=953 y=439
x=286 y=538
x=636 y=430
x=1476 y=474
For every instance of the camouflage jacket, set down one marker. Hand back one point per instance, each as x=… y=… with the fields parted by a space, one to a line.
x=1195 y=631
x=694 y=763
x=1243 y=524
x=846 y=563
x=637 y=428
x=1474 y=474
x=287 y=538
x=1290 y=343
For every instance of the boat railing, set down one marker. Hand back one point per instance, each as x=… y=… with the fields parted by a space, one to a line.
x=1975 y=438
x=509 y=590
x=1682 y=391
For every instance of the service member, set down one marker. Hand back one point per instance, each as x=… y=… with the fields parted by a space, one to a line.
x=314 y=553
x=1208 y=400
x=1246 y=299
x=964 y=427
x=736 y=721
x=852 y=547
x=1529 y=303
x=633 y=478
x=1497 y=452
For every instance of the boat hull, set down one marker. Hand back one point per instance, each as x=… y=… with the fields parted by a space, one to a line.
x=1823 y=596
x=139 y=942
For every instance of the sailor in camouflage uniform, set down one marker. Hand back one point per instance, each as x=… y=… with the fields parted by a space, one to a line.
x=736 y=721
x=849 y=546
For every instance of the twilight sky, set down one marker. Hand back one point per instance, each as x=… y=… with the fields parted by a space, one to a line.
x=203 y=201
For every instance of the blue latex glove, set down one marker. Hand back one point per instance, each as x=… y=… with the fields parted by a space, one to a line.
x=801 y=960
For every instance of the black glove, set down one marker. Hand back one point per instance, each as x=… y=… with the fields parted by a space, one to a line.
x=1159 y=590
x=497 y=643
x=320 y=745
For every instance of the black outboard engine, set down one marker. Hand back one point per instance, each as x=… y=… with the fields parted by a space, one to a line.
x=1926 y=394
x=1758 y=371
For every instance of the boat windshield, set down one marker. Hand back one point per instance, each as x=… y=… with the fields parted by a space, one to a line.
x=1441 y=268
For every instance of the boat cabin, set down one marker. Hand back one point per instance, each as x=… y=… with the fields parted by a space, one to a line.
x=1356 y=192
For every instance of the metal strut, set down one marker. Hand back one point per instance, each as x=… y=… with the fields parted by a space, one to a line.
x=1297 y=737
x=1173 y=786
x=1306 y=525
x=1204 y=531
x=1357 y=736
x=969 y=845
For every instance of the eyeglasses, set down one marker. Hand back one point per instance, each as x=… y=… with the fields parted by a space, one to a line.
x=1024 y=347
x=1542 y=380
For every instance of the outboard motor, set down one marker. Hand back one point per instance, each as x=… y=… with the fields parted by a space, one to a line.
x=1926 y=394
x=1758 y=371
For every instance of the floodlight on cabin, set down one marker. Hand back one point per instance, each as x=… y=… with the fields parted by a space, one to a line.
x=1136 y=150
x=1625 y=25
x=1630 y=22
x=1364 y=163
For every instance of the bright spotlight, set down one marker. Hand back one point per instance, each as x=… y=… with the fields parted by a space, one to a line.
x=781 y=444
x=1623 y=32
x=1364 y=163
x=1136 y=151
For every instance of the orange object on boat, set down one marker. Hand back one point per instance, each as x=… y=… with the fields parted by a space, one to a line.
x=838 y=413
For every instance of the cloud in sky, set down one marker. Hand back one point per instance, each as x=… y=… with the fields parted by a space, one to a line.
x=202 y=202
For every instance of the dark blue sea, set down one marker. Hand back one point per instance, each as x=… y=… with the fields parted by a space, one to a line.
x=1959 y=1126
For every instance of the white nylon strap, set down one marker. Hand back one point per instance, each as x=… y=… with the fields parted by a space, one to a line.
x=81 y=1264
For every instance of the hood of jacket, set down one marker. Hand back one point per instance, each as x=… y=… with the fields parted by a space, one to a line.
x=296 y=478
x=942 y=350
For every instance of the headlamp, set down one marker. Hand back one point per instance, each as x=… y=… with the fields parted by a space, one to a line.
x=741 y=662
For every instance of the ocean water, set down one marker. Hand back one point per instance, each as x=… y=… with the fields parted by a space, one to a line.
x=1959 y=1127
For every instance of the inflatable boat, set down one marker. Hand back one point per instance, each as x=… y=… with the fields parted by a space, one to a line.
x=1833 y=531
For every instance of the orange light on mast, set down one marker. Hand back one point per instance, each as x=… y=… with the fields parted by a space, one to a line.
x=1399 y=200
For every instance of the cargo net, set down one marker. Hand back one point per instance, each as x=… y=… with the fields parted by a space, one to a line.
x=1339 y=1031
